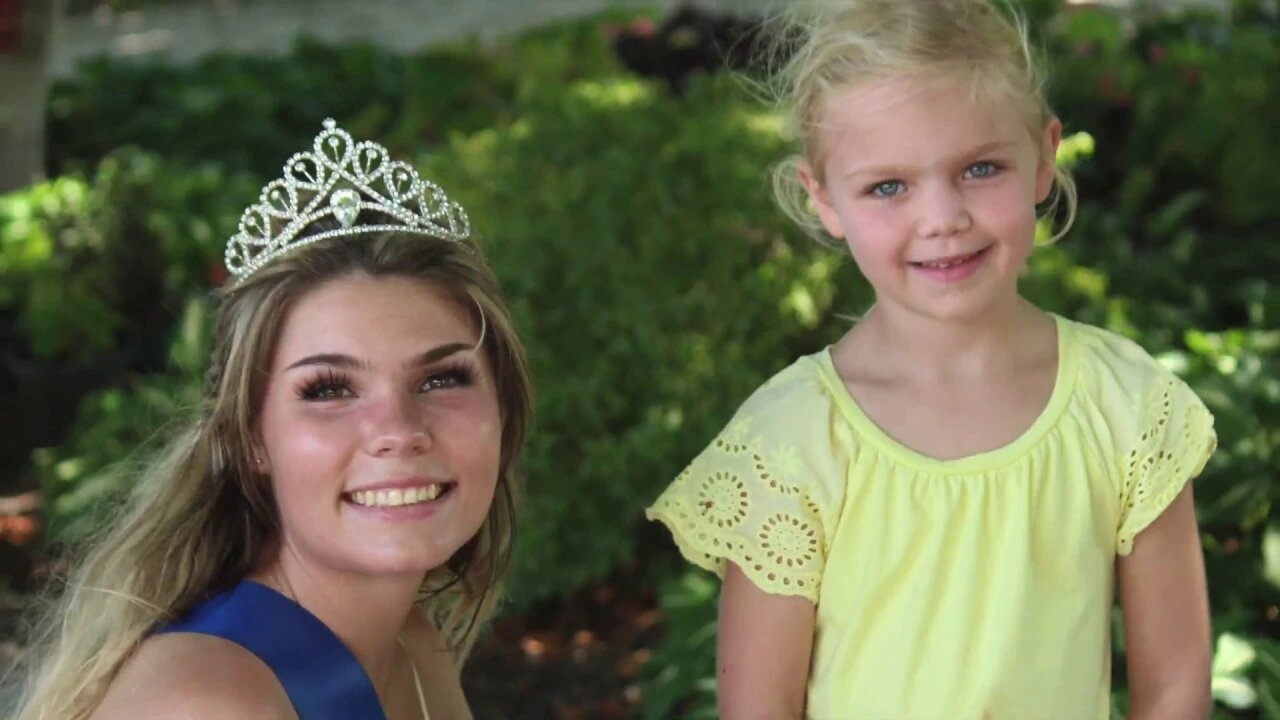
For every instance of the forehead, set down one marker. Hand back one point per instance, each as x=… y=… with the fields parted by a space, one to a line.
x=373 y=317
x=917 y=120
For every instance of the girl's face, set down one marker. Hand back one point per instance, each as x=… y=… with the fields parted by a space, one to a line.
x=380 y=427
x=934 y=191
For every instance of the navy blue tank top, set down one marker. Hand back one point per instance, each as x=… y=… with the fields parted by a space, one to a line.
x=323 y=680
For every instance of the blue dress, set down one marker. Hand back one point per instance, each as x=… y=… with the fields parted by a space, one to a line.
x=323 y=680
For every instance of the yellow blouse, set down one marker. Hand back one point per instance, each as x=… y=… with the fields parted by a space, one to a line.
x=973 y=588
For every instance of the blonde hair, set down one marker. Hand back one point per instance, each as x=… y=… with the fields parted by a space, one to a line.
x=199 y=517
x=833 y=46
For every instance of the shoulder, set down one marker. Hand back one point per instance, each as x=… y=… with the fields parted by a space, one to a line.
x=788 y=438
x=1120 y=369
x=187 y=675
x=798 y=385
x=1141 y=400
x=790 y=403
x=1100 y=347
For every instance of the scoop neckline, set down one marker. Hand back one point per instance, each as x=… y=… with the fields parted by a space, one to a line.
x=1063 y=386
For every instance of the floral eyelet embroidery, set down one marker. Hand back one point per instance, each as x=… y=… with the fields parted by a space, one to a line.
x=788 y=540
x=722 y=499
x=1159 y=464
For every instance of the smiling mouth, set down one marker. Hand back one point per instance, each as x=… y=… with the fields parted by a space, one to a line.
x=399 y=497
x=951 y=262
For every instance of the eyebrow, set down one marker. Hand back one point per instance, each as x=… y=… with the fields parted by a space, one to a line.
x=892 y=170
x=346 y=361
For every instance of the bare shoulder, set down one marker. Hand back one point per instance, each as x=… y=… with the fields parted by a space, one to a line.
x=188 y=676
x=441 y=675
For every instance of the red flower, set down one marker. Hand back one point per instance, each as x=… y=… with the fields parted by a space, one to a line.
x=19 y=529
x=217 y=274
x=643 y=27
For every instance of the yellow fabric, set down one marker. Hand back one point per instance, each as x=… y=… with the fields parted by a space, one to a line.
x=972 y=588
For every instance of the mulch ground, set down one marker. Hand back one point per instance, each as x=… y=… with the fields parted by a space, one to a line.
x=576 y=658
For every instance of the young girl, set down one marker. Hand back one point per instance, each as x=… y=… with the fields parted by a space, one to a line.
x=929 y=519
x=324 y=537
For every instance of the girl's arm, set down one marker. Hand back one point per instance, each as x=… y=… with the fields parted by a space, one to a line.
x=1166 y=617
x=762 y=666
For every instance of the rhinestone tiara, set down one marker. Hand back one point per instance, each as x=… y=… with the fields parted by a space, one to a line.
x=343 y=178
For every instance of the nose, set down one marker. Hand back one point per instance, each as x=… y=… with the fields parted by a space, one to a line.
x=943 y=211
x=397 y=427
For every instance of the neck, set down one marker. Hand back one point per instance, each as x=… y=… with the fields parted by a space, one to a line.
x=945 y=350
x=366 y=612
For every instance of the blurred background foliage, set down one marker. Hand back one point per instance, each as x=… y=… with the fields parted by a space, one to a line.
x=629 y=218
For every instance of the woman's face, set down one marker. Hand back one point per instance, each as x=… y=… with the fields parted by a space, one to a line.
x=380 y=428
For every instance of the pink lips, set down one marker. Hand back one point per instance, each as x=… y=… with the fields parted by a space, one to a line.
x=952 y=269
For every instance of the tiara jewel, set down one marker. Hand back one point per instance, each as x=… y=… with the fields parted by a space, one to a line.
x=341 y=179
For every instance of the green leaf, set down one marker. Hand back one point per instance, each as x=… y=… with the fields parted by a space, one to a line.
x=1233 y=655
x=1234 y=692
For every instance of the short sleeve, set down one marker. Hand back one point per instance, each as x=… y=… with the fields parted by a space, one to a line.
x=765 y=493
x=1172 y=445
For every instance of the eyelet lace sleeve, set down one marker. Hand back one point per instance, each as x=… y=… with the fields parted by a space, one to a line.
x=1174 y=443
x=765 y=495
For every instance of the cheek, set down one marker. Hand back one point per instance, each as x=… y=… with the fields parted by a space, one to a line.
x=1011 y=214
x=873 y=231
x=303 y=438
x=472 y=430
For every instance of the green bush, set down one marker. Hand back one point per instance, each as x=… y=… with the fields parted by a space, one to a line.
x=99 y=266
x=59 y=270
x=244 y=111
x=83 y=480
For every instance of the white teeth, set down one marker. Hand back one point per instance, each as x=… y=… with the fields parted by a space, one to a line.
x=948 y=264
x=397 y=497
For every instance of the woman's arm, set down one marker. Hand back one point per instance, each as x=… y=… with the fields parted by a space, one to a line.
x=763 y=656
x=1166 y=617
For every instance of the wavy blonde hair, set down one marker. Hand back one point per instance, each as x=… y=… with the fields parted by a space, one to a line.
x=199 y=517
x=830 y=47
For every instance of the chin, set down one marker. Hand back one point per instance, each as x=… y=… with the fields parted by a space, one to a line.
x=402 y=561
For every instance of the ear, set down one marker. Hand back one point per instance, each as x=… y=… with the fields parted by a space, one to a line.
x=821 y=199
x=1049 y=141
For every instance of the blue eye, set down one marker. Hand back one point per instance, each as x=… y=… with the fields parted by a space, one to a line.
x=981 y=170
x=887 y=189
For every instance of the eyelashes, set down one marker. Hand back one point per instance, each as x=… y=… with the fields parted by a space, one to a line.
x=328 y=384
x=331 y=384
x=886 y=189
x=458 y=374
